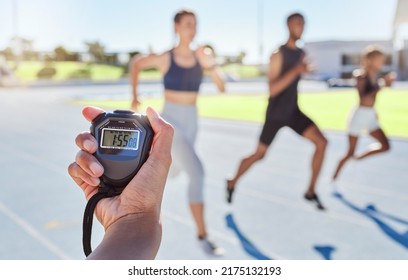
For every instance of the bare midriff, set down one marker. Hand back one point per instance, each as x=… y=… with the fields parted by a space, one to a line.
x=368 y=100
x=181 y=97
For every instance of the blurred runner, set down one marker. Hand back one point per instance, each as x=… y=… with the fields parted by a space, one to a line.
x=364 y=117
x=286 y=66
x=183 y=70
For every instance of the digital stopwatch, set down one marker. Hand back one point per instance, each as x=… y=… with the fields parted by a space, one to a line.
x=124 y=141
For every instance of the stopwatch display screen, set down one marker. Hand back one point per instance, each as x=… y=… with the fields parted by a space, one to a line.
x=122 y=139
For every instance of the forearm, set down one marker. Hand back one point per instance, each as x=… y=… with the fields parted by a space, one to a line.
x=136 y=236
x=218 y=78
x=134 y=77
x=278 y=85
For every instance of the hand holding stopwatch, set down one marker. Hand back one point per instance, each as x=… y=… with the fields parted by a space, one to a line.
x=124 y=141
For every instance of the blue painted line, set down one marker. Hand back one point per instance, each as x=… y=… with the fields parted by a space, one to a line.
x=379 y=218
x=325 y=251
x=246 y=244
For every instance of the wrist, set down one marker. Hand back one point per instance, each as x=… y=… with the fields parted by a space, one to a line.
x=134 y=219
x=134 y=236
x=211 y=67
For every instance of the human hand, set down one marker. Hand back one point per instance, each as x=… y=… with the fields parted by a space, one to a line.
x=304 y=66
x=143 y=194
x=206 y=57
x=389 y=79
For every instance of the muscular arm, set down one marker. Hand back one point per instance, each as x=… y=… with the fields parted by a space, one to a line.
x=140 y=62
x=206 y=58
x=276 y=83
x=218 y=78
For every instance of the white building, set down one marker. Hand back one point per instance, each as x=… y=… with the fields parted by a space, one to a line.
x=338 y=59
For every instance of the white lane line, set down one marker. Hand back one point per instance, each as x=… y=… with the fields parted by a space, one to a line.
x=309 y=208
x=23 y=224
x=252 y=193
x=286 y=171
x=55 y=224
x=220 y=235
x=171 y=216
x=36 y=160
x=30 y=230
x=302 y=206
x=380 y=192
x=282 y=171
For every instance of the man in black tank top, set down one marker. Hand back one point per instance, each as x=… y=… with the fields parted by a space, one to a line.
x=285 y=69
x=283 y=106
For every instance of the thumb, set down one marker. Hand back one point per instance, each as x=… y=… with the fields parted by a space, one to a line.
x=91 y=112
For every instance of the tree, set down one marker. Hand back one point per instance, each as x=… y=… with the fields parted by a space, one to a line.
x=8 y=53
x=133 y=53
x=61 y=54
x=241 y=56
x=96 y=50
x=23 y=48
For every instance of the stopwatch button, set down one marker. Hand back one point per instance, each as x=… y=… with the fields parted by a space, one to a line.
x=124 y=112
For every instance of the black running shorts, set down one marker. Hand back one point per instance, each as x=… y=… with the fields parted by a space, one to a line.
x=299 y=122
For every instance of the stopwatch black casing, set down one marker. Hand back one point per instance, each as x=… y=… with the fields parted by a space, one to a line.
x=124 y=141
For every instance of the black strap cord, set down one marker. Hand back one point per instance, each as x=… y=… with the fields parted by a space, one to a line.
x=103 y=192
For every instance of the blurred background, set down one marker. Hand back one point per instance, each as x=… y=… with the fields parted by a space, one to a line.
x=57 y=56
x=63 y=40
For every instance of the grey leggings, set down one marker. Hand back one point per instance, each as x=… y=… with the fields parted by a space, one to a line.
x=184 y=120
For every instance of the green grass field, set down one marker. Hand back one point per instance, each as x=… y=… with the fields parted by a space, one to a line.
x=27 y=71
x=242 y=71
x=329 y=109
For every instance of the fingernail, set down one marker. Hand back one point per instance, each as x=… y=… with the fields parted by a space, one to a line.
x=96 y=168
x=88 y=144
x=96 y=181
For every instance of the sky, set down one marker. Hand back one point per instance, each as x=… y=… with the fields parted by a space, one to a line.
x=230 y=26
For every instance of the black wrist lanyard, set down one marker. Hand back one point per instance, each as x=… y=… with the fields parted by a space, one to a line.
x=103 y=192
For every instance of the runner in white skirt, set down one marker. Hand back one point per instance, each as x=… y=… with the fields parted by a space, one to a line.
x=364 y=118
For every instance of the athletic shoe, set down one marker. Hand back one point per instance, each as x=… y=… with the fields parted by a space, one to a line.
x=315 y=198
x=210 y=247
x=229 y=193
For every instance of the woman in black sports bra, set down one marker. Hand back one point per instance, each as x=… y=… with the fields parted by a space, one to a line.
x=182 y=70
x=364 y=117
